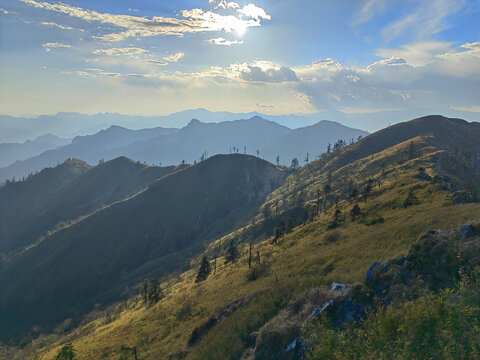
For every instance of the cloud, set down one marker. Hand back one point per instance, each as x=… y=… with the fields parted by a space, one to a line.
x=418 y=53
x=473 y=108
x=192 y=21
x=119 y=51
x=449 y=76
x=254 y=12
x=224 y=42
x=174 y=57
x=64 y=27
x=49 y=46
x=3 y=11
x=369 y=9
x=226 y=5
x=429 y=18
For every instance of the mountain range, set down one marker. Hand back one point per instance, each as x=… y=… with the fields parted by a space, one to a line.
x=170 y=146
x=340 y=248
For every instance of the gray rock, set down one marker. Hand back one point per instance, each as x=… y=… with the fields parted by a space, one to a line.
x=321 y=308
x=291 y=346
x=467 y=230
x=371 y=271
x=337 y=286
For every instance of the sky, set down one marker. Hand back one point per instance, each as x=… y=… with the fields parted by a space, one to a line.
x=275 y=57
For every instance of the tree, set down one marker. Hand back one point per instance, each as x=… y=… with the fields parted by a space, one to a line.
x=294 y=164
x=367 y=189
x=306 y=159
x=411 y=151
x=356 y=211
x=326 y=191
x=258 y=153
x=329 y=148
x=232 y=253
x=154 y=294
x=67 y=352
x=145 y=291
x=336 y=219
x=204 y=270
x=278 y=160
x=250 y=255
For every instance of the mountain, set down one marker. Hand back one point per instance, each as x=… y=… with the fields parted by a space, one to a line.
x=375 y=230
x=172 y=146
x=11 y=152
x=53 y=197
x=90 y=148
x=153 y=232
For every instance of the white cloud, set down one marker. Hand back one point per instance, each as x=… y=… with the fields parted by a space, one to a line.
x=429 y=18
x=3 y=11
x=226 y=5
x=49 y=46
x=254 y=12
x=224 y=42
x=192 y=21
x=419 y=53
x=119 y=51
x=368 y=10
x=473 y=108
x=174 y=57
x=64 y=27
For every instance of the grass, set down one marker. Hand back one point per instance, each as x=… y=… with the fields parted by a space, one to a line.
x=302 y=259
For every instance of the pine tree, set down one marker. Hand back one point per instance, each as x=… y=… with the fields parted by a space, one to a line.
x=232 y=253
x=294 y=164
x=355 y=212
x=66 y=352
x=204 y=270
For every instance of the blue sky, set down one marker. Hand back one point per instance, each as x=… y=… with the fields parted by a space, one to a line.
x=272 y=56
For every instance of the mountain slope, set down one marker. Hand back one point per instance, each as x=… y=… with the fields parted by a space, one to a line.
x=93 y=260
x=234 y=314
x=11 y=152
x=90 y=148
x=25 y=222
x=172 y=146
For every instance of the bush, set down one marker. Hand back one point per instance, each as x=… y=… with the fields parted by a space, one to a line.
x=257 y=271
x=332 y=236
x=375 y=220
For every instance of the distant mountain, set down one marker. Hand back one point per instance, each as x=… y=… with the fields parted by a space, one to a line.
x=28 y=209
x=89 y=148
x=172 y=146
x=11 y=152
x=93 y=260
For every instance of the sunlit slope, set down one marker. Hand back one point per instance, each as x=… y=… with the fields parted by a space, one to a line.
x=95 y=260
x=310 y=255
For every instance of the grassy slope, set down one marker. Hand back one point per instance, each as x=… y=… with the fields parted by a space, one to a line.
x=301 y=260
x=96 y=259
x=100 y=186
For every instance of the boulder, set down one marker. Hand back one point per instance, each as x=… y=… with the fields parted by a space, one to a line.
x=371 y=271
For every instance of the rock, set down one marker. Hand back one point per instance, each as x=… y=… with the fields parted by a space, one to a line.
x=291 y=346
x=349 y=310
x=430 y=232
x=467 y=230
x=321 y=308
x=337 y=287
x=371 y=271
x=384 y=267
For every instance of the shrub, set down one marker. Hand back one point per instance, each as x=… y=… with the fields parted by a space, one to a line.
x=332 y=236
x=375 y=220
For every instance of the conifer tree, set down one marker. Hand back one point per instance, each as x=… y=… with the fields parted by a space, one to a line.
x=232 y=253
x=204 y=270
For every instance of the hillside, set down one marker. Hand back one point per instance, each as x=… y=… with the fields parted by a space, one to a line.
x=420 y=181
x=257 y=316
x=172 y=146
x=11 y=152
x=97 y=258
x=89 y=148
x=29 y=209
